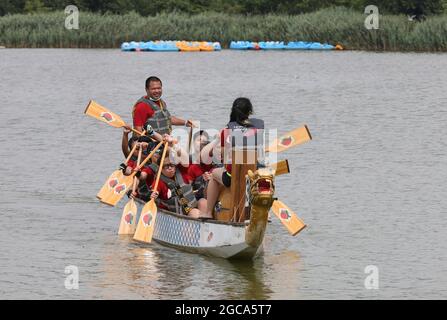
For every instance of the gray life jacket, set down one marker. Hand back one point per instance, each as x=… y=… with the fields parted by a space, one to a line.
x=161 y=120
x=247 y=135
x=183 y=198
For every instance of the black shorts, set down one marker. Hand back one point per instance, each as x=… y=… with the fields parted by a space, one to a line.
x=226 y=179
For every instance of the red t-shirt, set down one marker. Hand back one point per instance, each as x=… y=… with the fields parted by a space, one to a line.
x=142 y=112
x=132 y=164
x=196 y=170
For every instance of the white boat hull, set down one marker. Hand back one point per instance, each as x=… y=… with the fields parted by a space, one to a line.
x=211 y=238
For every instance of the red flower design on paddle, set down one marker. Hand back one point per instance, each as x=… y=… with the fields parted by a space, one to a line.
x=129 y=218
x=286 y=141
x=147 y=219
x=113 y=183
x=107 y=116
x=120 y=188
x=284 y=214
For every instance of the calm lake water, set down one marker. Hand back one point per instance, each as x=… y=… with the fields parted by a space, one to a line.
x=371 y=185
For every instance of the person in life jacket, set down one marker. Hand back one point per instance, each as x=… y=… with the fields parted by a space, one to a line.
x=143 y=190
x=147 y=144
x=199 y=171
x=240 y=128
x=175 y=193
x=143 y=142
x=152 y=110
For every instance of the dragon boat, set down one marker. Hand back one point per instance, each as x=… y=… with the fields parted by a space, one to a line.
x=240 y=216
x=238 y=230
x=239 y=220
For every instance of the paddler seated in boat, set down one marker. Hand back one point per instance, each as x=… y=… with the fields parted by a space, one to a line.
x=147 y=145
x=175 y=192
x=199 y=171
x=144 y=142
x=143 y=190
x=240 y=124
x=152 y=109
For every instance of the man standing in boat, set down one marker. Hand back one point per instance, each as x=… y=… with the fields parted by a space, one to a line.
x=152 y=110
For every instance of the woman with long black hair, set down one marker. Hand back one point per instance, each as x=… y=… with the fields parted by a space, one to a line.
x=240 y=122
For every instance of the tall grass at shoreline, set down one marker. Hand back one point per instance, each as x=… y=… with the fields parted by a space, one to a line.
x=334 y=25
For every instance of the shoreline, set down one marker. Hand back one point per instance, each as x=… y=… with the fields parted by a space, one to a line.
x=333 y=26
x=232 y=50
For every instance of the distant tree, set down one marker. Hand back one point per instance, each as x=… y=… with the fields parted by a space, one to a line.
x=11 y=6
x=153 y=7
x=61 y=4
x=411 y=7
x=34 y=6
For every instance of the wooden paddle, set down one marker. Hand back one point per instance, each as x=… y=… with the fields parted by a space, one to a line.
x=114 y=178
x=126 y=182
x=280 y=167
x=101 y=113
x=288 y=218
x=145 y=228
x=290 y=139
x=189 y=139
x=127 y=224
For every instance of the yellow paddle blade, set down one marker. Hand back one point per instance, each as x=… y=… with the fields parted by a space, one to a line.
x=145 y=227
x=288 y=218
x=110 y=183
x=128 y=223
x=101 y=113
x=290 y=139
x=114 y=196
x=281 y=167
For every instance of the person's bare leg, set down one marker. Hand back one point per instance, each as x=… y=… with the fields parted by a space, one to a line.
x=202 y=205
x=212 y=191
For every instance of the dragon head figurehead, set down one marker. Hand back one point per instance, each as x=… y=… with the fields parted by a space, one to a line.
x=261 y=187
x=261 y=191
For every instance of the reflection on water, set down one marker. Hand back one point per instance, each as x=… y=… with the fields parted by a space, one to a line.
x=133 y=270
x=124 y=263
x=246 y=279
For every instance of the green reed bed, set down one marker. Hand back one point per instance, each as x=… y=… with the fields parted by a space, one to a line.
x=334 y=25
